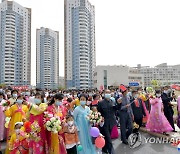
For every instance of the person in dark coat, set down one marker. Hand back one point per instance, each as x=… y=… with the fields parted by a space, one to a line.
x=168 y=110
x=107 y=108
x=126 y=117
x=137 y=108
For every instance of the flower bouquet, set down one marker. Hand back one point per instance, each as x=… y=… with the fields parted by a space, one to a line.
x=95 y=118
x=35 y=129
x=47 y=116
x=27 y=126
x=6 y=103
x=7 y=120
x=53 y=125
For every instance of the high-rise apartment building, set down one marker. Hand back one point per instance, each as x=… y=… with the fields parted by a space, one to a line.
x=47 y=58
x=79 y=24
x=15 y=44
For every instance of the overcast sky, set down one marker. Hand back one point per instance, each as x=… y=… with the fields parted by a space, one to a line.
x=128 y=32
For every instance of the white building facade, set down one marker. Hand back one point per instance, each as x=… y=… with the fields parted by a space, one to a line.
x=15 y=44
x=47 y=58
x=165 y=74
x=79 y=24
x=114 y=76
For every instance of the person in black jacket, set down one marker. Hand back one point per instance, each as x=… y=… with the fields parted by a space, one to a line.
x=107 y=108
x=137 y=108
x=168 y=110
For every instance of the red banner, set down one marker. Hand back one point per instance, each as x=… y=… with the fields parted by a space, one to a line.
x=20 y=87
x=176 y=87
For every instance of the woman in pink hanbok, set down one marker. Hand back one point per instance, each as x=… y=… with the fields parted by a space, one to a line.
x=157 y=122
x=2 y=119
x=56 y=143
x=38 y=140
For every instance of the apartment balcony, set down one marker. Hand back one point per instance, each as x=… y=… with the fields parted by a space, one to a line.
x=84 y=82
x=84 y=72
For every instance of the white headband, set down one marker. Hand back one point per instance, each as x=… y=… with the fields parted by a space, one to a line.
x=19 y=123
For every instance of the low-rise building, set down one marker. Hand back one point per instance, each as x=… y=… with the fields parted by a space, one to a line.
x=165 y=74
x=113 y=76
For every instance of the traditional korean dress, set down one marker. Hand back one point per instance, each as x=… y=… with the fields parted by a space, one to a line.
x=17 y=114
x=18 y=144
x=38 y=140
x=157 y=121
x=56 y=143
x=80 y=117
x=2 y=121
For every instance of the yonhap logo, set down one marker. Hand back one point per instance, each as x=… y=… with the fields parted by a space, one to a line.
x=160 y=140
x=136 y=139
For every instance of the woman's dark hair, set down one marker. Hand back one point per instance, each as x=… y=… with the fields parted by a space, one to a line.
x=134 y=91
x=42 y=98
x=94 y=96
x=69 y=116
x=158 y=91
x=69 y=100
x=20 y=96
x=56 y=96
x=13 y=91
x=48 y=97
x=83 y=95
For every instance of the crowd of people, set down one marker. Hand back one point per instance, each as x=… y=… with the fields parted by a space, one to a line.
x=59 y=122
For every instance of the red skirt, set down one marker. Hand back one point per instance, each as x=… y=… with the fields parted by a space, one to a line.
x=114 y=133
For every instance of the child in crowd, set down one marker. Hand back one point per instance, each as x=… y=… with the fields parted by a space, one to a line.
x=19 y=140
x=71 y=135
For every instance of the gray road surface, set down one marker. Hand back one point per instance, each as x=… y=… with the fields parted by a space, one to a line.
x=145 y=148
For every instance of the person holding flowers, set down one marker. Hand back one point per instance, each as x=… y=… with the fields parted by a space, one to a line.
x=95 y=118
x=55 y=114
x=81 y=114
x=17 y=113
x=19 y=140
x=38 y=141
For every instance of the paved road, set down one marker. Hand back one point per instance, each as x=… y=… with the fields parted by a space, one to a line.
x=145 y=148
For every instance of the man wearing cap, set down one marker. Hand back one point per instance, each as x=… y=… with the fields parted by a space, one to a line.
x=126 y=116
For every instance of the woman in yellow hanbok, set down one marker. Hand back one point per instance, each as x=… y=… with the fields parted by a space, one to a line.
x=17 y=113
